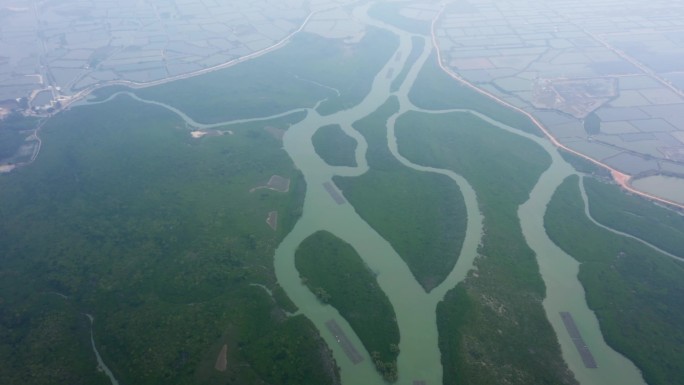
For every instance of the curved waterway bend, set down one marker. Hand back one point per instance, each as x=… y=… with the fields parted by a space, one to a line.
x=564 y=292
x=415 y=309
x=100 y=363
x=587 y=212
x=559 y=271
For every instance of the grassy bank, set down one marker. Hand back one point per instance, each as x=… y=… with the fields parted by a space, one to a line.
x=422 y=215
x=636 y=216
x=333 y=271
x=492 y=327
x=148 y=229
x=636 y=292
x=334 y=146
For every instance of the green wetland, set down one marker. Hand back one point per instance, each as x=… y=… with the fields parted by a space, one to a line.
x=198 y=230
x=401 y=204
x=501 y=304
x=333 y=270
x=635 y=291
x=638 y=217
x=128 y=218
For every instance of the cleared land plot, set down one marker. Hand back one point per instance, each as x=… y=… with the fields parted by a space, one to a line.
x=275 y=183
x=575 y=97
x=671 y=188
x=272 y=220
x=222 y=360
x=277 y=133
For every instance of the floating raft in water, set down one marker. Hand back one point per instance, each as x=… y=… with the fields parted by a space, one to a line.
x=577 y=339
x=344 y=342
x=336 y=196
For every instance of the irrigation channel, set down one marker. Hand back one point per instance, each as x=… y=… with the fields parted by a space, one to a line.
x=419 y=361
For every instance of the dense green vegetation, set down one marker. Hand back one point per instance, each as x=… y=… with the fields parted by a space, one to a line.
x=636 y=292
x=422 y=215
x=10 y=141
x=43 y=338
x=417 y=46
x=592 y=124
x=435 y=90
x=334 y=146
x=283 y=80
x=390 y=14
x=249 y=89
x=13 y=133
x=333 y=271
x=148 y=229
x=636 y=216
x=492 y=327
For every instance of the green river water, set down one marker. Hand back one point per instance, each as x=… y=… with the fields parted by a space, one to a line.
x=415 y=309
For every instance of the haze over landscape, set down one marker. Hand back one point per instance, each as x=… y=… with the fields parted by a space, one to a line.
x=341 y=192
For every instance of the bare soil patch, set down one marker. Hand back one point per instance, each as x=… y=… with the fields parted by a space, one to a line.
x=272 y=220
x=276 y=132
x=222 y=359
x=276 y=183
x=201 y=133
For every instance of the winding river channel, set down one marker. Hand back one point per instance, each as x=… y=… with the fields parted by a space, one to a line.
x=415 y=309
